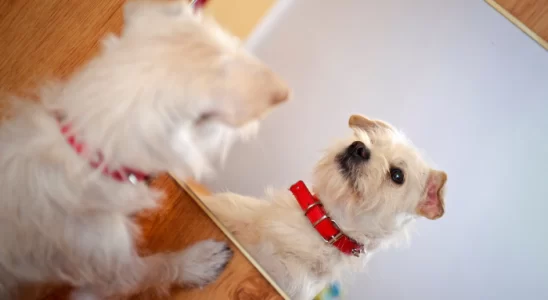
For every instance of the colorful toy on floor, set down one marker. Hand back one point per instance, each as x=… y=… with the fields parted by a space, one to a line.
x=331 y=292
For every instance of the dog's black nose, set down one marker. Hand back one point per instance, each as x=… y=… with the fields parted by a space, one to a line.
x=359 y=150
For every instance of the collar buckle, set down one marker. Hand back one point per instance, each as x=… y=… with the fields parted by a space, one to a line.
x=358 y=251
x=311 y=206
x=334 y=238
x=132 y=179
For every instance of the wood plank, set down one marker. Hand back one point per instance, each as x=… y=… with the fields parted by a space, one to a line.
x=42 y=39
x=531 y=16
x=49 y=39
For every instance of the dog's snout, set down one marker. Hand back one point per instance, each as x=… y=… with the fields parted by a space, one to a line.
x=359 y=149
x=280 y=96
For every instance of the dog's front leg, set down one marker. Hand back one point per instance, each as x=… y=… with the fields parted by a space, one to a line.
x=197 y=265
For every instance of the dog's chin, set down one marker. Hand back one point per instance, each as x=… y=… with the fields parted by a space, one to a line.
x=215 y=139
x=204 y=147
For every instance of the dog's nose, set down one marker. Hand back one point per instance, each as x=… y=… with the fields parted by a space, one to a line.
x=280 y=96
x=359 y=150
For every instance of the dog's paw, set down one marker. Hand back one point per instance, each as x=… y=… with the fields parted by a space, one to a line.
x=203 y=262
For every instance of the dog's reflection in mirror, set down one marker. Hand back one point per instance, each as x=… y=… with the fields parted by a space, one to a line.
x=365 y=193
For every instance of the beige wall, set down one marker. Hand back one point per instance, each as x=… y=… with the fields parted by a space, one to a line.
x=239 y=16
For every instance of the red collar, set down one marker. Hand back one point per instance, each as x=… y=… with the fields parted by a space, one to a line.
x=122 y=174
x=326 y=227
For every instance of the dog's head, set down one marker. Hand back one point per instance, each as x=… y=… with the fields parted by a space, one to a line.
x=379 y=176
x=204 y=69
x=171 y=80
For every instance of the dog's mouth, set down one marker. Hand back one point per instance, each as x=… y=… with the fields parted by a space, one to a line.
x=214 y=116
x=207 y=117
x=212 y=141
x=352 y=158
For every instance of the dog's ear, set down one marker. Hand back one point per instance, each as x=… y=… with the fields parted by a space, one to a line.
x=432 y=206
x=363 y=123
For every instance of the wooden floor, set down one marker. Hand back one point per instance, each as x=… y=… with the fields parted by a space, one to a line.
x=40 y=39
x=530 y=15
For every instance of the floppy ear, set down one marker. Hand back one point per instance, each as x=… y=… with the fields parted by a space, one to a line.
x=363 y=123
x=431 y=205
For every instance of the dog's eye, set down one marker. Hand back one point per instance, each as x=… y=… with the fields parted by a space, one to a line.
x=396 y=175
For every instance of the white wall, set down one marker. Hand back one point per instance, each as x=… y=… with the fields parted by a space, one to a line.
x=467 y=86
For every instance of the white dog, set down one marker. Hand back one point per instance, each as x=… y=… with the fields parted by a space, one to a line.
x=167 y=95
x=367 y=190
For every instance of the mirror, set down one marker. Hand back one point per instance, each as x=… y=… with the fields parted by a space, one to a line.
x=471 y=108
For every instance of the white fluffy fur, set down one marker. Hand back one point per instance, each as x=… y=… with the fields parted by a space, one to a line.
x=168 y=95
x=370 y=208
